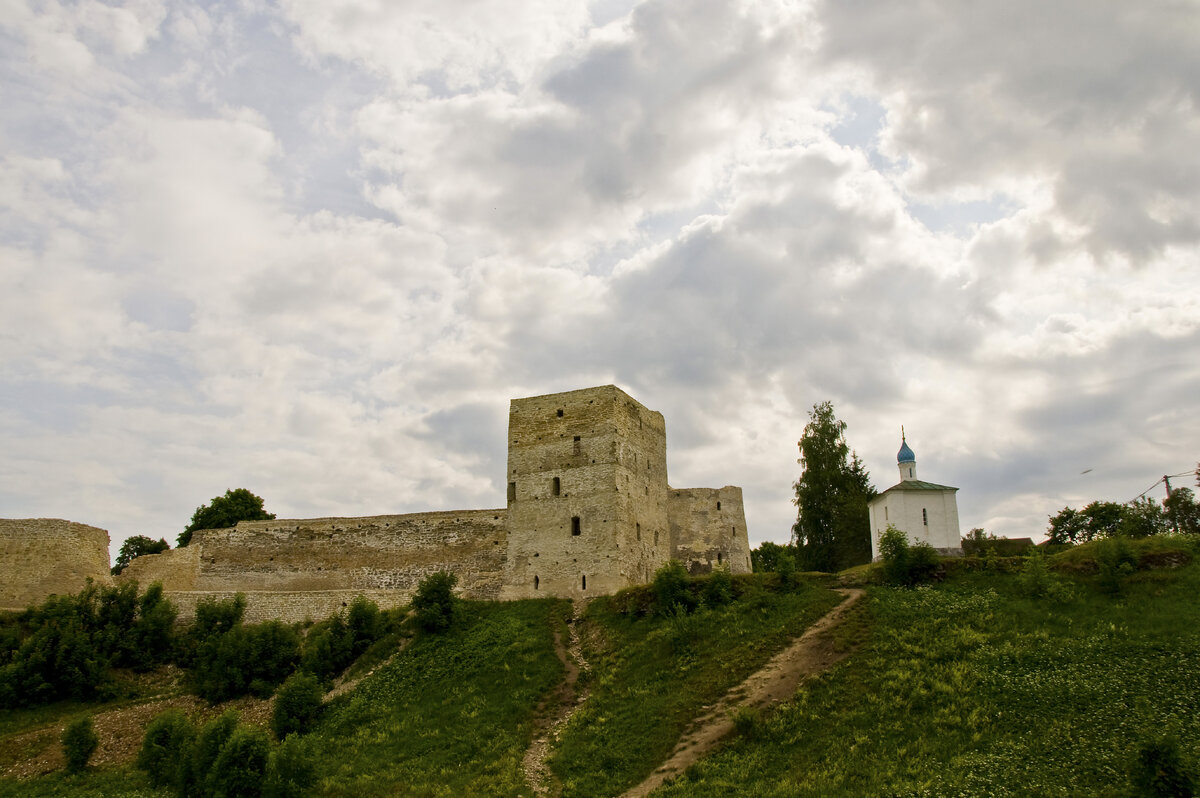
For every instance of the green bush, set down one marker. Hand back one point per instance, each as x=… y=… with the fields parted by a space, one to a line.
x=209 y=742
x=291 y=770
x=364 y=624
x=297 y=705
x=1038 y=581
x=167 y=749
x=245 y=659
x=672 y=591
x=241 y=766
x=79 y=742
x=435 y=602
x=1115 y=560
x=905 y=565
x=718 y=587
x=785 y=566
x=1158 y=770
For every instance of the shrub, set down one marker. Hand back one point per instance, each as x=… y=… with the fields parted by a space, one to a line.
x=297 y=705
x=245 y=659
x=435 y=602
x=718 y=588
x=79 y=742
x=167 y=748
x=241 y=765
x=327 y=648
x=364 y=624
x=1158 y=770
x=904 y=564
x=747 y=722
x=209 y=742
x=671 y=589
x=1038 y=581
x=290 y=769
x=1114 y=561
x=785 y=566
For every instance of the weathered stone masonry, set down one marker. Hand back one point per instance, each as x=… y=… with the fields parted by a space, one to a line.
x=589 y=512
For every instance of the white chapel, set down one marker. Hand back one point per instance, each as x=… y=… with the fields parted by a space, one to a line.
x=923 y=510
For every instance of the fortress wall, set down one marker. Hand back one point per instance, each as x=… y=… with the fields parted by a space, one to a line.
x=708 y=527
x=385 y=552
x=175 y=569
x=44 y=556
x=289 y=607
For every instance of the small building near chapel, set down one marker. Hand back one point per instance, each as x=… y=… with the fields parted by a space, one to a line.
x=925 y=511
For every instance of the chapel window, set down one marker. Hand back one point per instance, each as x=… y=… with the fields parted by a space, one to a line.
x=924 y=516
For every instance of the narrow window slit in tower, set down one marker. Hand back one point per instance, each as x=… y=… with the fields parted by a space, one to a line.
x=557 y=486
x=535 y=582
x=585 y=583
x=718 y=558
x=639 y=531
x=718 y=505
x=577 y=445
x=512 y=491
x=575 y=528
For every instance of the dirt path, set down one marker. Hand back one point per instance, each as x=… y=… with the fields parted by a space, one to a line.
x=811 y=653
x=555 y=710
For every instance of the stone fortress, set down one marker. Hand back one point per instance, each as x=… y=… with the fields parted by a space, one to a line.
x=589 y=512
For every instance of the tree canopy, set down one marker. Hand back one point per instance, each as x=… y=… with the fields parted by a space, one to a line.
x=135 y=547
x=832 y=529
x=225 y=511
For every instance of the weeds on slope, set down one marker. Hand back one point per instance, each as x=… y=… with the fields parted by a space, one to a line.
x=652 y=675
x=971 y=688
x=451 y=714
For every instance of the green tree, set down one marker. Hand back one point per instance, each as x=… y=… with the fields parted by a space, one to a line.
x=766 y=557
x=225 y=511
x=79 y=741
x=297 y=705
x=832 y=529
x=135 y=547
x=1096 y=520
x=1142 y=518
x=435 y=602
x=167 y=749
x=1182 y=511
x=241 y=766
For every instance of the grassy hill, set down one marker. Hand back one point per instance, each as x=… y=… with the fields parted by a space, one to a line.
x=965 y=687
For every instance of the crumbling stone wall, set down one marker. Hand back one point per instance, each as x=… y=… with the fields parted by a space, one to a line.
x=44 y=556
x=587 y=489
x=708 y=528
x=293 y=569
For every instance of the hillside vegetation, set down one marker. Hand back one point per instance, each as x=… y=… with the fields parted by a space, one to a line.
x=981 y=684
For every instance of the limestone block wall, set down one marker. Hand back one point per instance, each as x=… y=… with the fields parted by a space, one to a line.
x=287 y=606
x=586 y=493
x=176 y=569
x=708 y=528
x=44 y=556
x=385 y=552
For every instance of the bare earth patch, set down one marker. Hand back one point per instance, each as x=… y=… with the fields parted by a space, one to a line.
x=554 y=712
x=813 y=652
x=39 y=752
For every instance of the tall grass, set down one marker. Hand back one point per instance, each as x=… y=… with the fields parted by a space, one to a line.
x=970 y=688
x=451 y=715
x=651 y=675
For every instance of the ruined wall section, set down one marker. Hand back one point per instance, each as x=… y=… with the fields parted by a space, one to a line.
x=586 y=475
x=176 y=569
x=44 y=556
x=385 y=552
x=310 y=568
x=708 y=528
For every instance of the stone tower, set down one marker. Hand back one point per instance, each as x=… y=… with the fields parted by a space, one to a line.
x=587 y=494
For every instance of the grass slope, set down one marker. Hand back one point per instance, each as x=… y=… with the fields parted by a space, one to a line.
x=650 y=676
x=452 y=714
x=968 y=688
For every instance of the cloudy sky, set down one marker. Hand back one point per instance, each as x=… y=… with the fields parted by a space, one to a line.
x=313 y=248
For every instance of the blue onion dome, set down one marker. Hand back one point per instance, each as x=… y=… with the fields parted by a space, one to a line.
x=905 y=455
